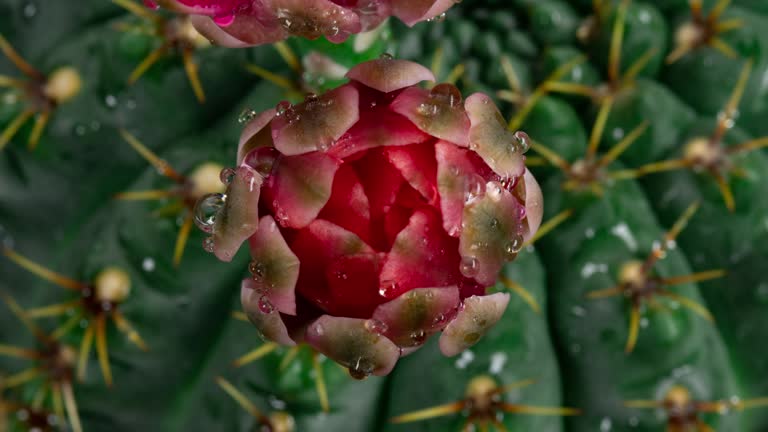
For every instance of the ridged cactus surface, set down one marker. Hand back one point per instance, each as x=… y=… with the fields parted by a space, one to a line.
x=640 y=305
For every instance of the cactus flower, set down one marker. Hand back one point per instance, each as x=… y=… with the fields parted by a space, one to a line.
x=239 y=23
x=377 y=214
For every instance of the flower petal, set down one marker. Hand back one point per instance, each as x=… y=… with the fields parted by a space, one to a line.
x=387 y=75
x=299 y=187
x=255 y=134
x=348 y=342
x=411 y=318
x=348 y=206
x=238 y=219
x=423 y=255
x=418 y=166
x=211 y=31
x=316 y=123
x=205 y=7
x=492 y=233
x=491 y=139
x=318 y=246
x=312 y=19
x=250 y=30
x=438 y=112
x=266 y=319
x=275 y=268
x=353 y=285
x=378 y=128
x=461 y=174
x=476 y=316
x=534 y=204
x=414 y=11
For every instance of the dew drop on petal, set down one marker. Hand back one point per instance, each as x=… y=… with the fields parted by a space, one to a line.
x=523 y=141
x=266 y=306
x=226 y=175
x=469 y=266
x=376 y=326
x=513 y=246
x=447 y=94
x=388 y=288
x=206 y=210
x=386 y=56
x=283 y=107
x=258 y=270
x=208 y=244
x=418 y=337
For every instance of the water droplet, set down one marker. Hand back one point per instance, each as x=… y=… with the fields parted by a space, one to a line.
x=437 y=18
x=388 y=288
x=361 y=370
x=208 y=244
x=227 y=175
x=446 y=93
x=440 y=319
x=474 y=188
x=469 y=266
x=265 y=305
x=283 y=107
x=376 y=326
x=523 y=141
x=206 y=210
x=319 y=330
x=386 y=56
x=513 y=246
x=263 y=160
x=493 y=190
x=224 y=20
x=258 y=270
x=246 y=116
x=110 y=101
x=312 y=97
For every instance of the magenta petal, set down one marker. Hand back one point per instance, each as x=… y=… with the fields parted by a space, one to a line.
x=387 y=75
x=491 y=139
x=348 y=206
x=211 y=31
x=418 y=166
x=438 y=112
x=423 y=255
x=411 y=318
x=414 y=11
x=380 y=128
x=299 y=187
x=238 y=219
x=476 y=316
x=534 y=204
x=255 y=134
x=263 y=315
x=275 y=267
x=492 y=233
x=253 y=30
x=351 y=344
x=316 y=123
x=312 y=19
x=205 y=7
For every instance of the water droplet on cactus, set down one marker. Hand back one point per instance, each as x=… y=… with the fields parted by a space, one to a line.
x=265 y=305
x=376 y=326
x=513 y=246
x=523 y=141
x=227 y=175
x=388 y=288
x=206 y=210
x=446 y=93
x=386 y=56
x=258 y=270
x=469 y=266
x=246 y=116
x=208 y=244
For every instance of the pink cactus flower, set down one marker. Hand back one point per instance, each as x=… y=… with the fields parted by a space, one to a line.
x=377 y=214
x=239 y=23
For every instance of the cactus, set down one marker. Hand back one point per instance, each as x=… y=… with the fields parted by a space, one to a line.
x=639 y=304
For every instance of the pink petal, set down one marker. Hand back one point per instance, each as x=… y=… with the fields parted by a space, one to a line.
x=477 y=315
x=211 y=31
x=312 y=19
x=381 y=182
x=418 y=166
x=251 y=30
x=492 y=233
x=318 y=246
x=299 y=187
x=275 y=268
x=411 y=318
x=387 y=75
x=348 y=206
x=438 y=112
x=353 y=285
x=461 y=174
x=255 y=134
x=379 y=127
x=414 y=11
x=534 y=204
x=238 y=219
x=263 y=315
x=351 y=344
x=205 y=7
x=491 y=139
x=316 y=123
x=423 y=255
